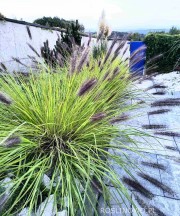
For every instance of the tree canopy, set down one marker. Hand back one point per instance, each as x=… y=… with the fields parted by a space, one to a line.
x=57 y=22
x=174 y=31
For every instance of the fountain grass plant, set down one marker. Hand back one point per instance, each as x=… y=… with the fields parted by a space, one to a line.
x=57 y=123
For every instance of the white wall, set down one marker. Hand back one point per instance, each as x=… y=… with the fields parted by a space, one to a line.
x=13 y=43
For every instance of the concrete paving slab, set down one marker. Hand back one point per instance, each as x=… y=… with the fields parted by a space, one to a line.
x=171 y=177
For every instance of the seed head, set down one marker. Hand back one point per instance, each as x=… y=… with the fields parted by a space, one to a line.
x=98 y=117
x=4 y=99
x=86 y=86
x=10 y=142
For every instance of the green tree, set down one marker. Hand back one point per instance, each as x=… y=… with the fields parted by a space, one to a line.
x=57 y=22
x=174 y=31
x=136 y=37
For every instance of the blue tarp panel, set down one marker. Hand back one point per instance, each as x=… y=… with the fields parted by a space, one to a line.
x=138 y=60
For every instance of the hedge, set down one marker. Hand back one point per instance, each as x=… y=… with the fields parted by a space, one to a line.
x=168 y=45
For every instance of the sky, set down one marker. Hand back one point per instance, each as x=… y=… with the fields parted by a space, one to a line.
x=120 y=14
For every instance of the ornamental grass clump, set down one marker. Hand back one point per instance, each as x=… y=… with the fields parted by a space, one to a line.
x=57 y=124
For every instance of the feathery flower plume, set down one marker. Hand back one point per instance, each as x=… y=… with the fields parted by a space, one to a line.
x=121 y=44
x=98 y=116
x=107 y=31
x=73 y=62
x=100 y=35
x=166 y=102
x=3 y=67
x=29 y=32
x=111 y=97
x=159 y=86
x=60 y=59
x=121 y=118
x=11 y=141
x=114 y=74
x=148 y=208
x=118 y=49
x=99 y=63
x=150 y=70
x=137 y=51
x=138 y=187
x=106 y=75
x=89 y=41
x=97 y=185
x=125 y=50
x=110 y=50
x=154 y=165
x=156 y=183
x=161 y=111
x=4 y=99
x=18 y=61
x=102 y=22
x=159 y=93
x=32 y=48
x=145 y=77
x=135 y=61
x=83 y=59
x=167 y=133
x=86 y=86
x=172 y=148
x=155 y=58
x=126 y=59
x=33 y=59
x=153 y=126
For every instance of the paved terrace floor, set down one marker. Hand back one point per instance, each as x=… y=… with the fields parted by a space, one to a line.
x=158 y=162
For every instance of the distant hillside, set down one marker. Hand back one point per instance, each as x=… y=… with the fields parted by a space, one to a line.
x=142 y=32
x=146 y=31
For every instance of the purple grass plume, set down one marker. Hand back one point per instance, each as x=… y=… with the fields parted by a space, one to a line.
x=18 y=61
x=3 y=66
x=157 y=57
x=151 y=69
x=12 y=141
x=145 y=78
x=159 y=86
x=73 y=62
x=154 y=126
x=33 y=49
x=118 y=49
x=83 y=59
x=166 y=102
x=89 y=41
x=86 y=86
x=29 y=32
x=149 y=209
x=138 y=187
x=4 y=99
x=109 y=51
x=137 y=51
x=98 y=116
x=121 y=118
x=97 y=185
x=160 y=111
x=154 y=165
x=168 y=133
x=156 y=183
x=159 y=93
x=106 y=75
x=172 y=148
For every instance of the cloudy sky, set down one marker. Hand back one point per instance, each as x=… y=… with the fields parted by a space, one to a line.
x=120 y=14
